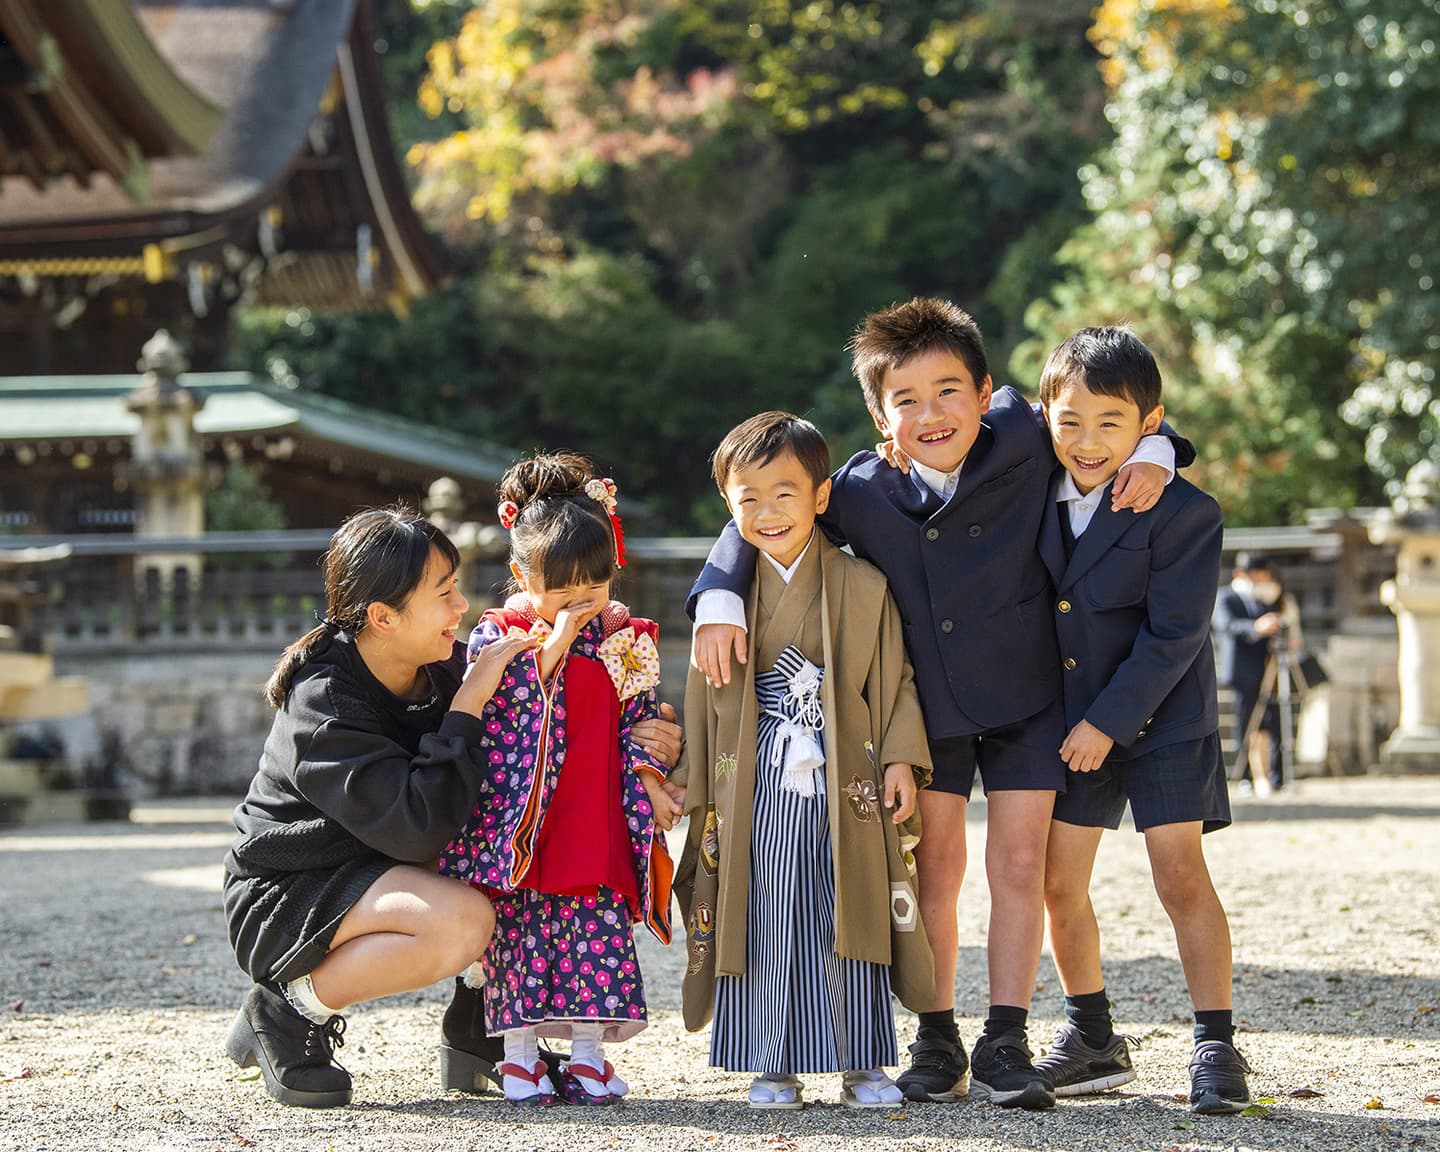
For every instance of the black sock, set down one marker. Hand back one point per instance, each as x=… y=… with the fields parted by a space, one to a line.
x=942 y=1022
x=1005 y=1020
x=1216 y=1025
x=1090 y=1013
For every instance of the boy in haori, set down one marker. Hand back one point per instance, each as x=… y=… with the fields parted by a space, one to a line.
x=798 y=882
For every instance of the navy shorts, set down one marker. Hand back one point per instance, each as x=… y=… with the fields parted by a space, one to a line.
x=1018 y=757
x=1172 y=784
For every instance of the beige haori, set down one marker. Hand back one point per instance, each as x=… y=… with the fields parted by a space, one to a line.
x=837 y=611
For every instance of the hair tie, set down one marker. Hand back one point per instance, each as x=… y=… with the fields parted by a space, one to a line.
x=604 y=491
x=327 y=623
x=508 y=512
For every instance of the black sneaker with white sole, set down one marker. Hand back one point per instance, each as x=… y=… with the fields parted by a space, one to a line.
x=939 y=1069
x=1217 y=1079
x=1073 y=1068
x=1001 y=1072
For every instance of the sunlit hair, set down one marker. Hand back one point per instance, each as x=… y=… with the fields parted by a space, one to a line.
x=761 y=438
x=894 y=336
x=561 y=535
x=1109 y=361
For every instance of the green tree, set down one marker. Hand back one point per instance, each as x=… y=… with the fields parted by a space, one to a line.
x=1264 y=218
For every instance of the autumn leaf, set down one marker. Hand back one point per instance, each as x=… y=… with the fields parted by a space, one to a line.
x=1433 y=1098
x=1258 y=1111
x=1306 y=1093
x=1374 y=1102
x=11 y=1074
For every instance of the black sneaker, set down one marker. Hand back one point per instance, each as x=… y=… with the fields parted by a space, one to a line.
x=938 y=1068
x=296 y=1056
x=1073 y=1068
x=1217 y=1079
x=1001 y=1072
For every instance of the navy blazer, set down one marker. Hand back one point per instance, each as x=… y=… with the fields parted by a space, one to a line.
x=1132 y=612
x=1243 y=651
x=972 y=590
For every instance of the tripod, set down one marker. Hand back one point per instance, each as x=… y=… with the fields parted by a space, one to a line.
x=1284 y=688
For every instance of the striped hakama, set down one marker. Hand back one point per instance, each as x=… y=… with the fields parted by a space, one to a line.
x=799 y=1007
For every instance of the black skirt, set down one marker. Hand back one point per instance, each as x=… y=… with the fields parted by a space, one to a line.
x=281 y=926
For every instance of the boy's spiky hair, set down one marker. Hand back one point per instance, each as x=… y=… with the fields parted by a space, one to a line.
x=893 y=336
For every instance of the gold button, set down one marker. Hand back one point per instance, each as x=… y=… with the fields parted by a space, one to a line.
x=1070 y=662
x=1064 y=605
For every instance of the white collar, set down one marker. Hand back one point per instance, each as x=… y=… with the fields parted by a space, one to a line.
x=787 y=573
x=1069 y=491
x=941 y=483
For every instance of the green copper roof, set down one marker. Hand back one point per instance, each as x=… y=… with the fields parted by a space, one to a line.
x=92 y=407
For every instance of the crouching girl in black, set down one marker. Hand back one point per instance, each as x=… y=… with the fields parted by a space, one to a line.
x=369 y=771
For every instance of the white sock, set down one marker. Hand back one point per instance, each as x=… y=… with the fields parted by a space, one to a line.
x=523 y=1048
x=585 y=1046
x=302 y=997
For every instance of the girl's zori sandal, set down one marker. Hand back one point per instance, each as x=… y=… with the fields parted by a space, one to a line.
x=573 y=1089
x=541 y=1098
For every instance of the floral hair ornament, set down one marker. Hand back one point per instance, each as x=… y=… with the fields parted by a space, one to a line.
x=603 y=491
x=508 y=511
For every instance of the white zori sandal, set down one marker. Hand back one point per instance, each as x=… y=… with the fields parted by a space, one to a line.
x=776 y=1091
x=872 y=1089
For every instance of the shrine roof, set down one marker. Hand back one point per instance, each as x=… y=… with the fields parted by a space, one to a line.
x=267 y=64
x=237 y=403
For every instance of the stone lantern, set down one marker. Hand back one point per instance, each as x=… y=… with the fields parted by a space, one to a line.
x=1414 y=596
x=166 y=469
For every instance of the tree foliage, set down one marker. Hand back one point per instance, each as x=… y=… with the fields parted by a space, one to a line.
x=1264 y=217
x=670 y=214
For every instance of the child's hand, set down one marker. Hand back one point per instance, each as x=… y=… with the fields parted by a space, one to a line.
x=676 y=793
x=660 y=736
x=711 y=647
x=666 y=808
x=483 y=675
x=1138 y=486
x=893 y=455
x=1085 y=748
x=900 y=791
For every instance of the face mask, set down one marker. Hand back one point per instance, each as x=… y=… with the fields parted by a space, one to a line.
x=1242 y=586
x=1266 y=591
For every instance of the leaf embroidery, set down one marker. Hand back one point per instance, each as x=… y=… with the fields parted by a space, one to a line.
x=864 y=799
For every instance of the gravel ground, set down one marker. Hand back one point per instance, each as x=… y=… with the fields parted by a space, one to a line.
x=118 y=987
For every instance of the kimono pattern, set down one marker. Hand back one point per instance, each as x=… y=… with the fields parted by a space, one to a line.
x=563 y=837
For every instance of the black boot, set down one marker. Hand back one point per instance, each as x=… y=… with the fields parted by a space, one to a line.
x=469 y=1057
x=295 y=1055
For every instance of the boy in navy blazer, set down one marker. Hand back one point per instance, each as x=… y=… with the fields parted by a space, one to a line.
x=1133 y=596
x=956 y=537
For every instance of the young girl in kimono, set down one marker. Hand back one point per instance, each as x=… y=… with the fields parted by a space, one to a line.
x=565 y=837
x=798 y=876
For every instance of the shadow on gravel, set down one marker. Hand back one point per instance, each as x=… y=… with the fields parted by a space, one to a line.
x=1259 y=811
x=1114 y=1120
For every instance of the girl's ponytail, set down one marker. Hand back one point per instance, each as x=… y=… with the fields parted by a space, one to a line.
x=295 y=657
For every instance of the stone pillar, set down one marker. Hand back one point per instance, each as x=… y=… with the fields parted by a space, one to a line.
x=481 y=546
x=166 y=469
x=1414 y=596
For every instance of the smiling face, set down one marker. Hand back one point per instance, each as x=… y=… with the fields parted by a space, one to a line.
x=931 y=408
x=424 y=626
x=775 y=504
x=1095 y=434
